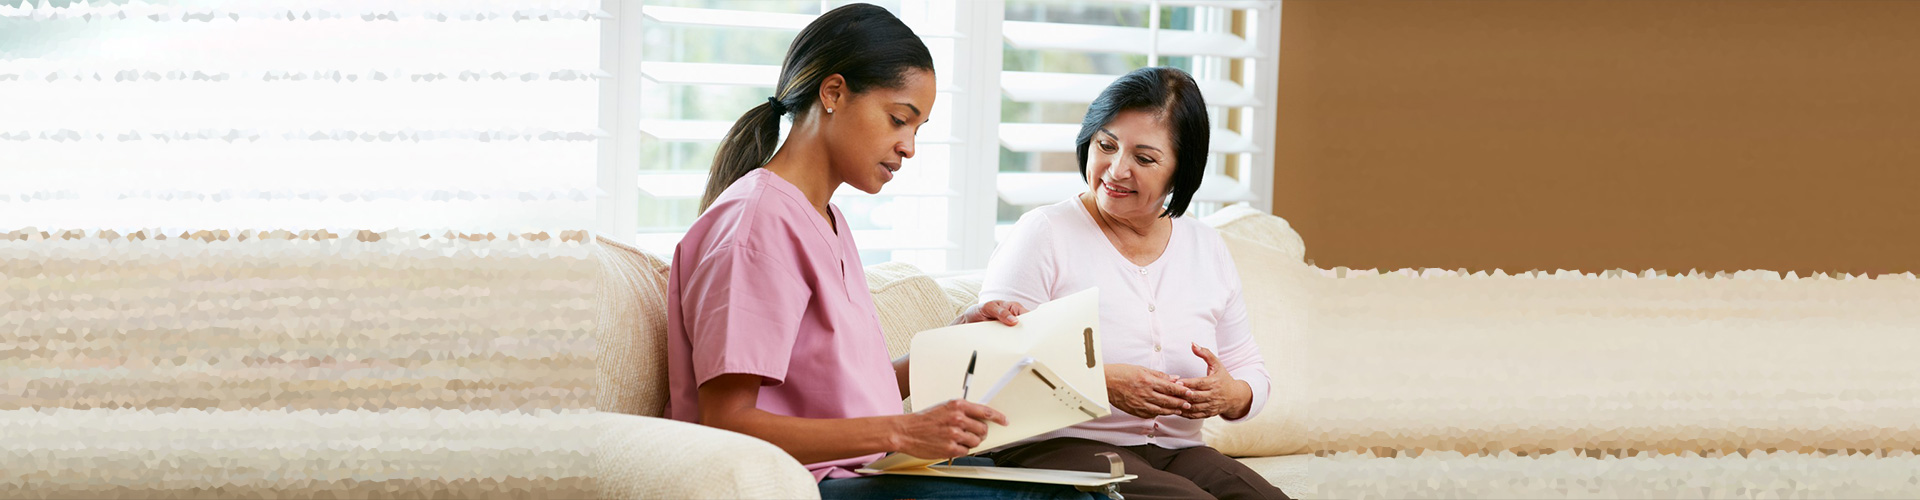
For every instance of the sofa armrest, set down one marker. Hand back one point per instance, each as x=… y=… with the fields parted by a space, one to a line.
x=646 y=457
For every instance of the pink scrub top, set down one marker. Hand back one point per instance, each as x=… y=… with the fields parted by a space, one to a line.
x=762 y=285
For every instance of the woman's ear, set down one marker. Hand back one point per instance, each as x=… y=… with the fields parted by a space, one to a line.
x=833 y=92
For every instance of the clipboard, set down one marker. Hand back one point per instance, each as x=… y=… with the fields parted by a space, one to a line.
x=1082 y=480
x=1042 y=400
x=1035 y=397
x=1064 y=334
x=1035 y=400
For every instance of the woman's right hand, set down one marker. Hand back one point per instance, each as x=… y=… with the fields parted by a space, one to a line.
x=946 y=430
x=1146 y=393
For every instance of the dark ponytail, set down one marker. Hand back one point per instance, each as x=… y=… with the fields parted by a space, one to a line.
x=862 y=43
x=747 y=145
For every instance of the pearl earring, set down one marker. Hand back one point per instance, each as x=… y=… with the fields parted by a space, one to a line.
x=829 y=111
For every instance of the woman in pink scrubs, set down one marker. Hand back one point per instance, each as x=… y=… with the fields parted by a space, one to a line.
x=771 y=330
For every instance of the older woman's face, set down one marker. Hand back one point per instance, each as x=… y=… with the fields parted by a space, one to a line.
x=1130 y=165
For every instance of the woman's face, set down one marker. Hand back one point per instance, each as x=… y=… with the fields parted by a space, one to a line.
x=1130 y=165
x=871 y=132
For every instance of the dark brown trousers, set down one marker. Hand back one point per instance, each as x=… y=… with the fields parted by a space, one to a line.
x=1189 y=473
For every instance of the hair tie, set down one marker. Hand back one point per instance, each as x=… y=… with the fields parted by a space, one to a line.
x=779 y=108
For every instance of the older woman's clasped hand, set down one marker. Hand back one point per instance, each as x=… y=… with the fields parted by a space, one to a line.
x=1147 y=393
x=1217 y=393
x=1144 y=392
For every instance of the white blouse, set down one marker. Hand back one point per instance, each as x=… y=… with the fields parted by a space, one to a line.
x=1148 y=315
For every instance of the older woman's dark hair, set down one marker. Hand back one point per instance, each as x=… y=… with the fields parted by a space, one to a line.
x=1171 y=94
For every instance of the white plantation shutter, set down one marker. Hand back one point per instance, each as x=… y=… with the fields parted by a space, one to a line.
x=1209 y=50
x=517 y=115
x=712 y=60
x=945 y=208
x=344 y=115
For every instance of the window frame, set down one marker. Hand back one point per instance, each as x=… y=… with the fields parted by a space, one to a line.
x=977 y=28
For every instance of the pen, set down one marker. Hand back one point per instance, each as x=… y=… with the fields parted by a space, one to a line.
x=968 y=379
x=965 y=381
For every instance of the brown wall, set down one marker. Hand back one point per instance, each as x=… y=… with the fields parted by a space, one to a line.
x=1594 y=135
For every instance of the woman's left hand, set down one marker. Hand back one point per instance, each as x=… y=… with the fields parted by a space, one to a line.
x=1217 y=393
x=1005 y=311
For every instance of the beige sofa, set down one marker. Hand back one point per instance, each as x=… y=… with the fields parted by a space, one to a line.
x=1436 y=383
x=222 y=364
x=310 y=365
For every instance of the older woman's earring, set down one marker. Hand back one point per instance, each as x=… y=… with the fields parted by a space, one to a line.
x=829 y=111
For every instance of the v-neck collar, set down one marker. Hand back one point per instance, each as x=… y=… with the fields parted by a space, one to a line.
x=1080 y=207
x=829 y=231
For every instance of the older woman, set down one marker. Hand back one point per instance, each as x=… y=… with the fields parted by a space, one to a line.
x=1169 y=297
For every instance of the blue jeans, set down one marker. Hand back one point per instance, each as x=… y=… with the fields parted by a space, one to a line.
x=887 y=486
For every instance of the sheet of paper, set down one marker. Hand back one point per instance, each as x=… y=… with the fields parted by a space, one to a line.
x=1035 y=400
x=1068 y=382
x=1064 y=334
x=1019 y=368
x=1042 y=402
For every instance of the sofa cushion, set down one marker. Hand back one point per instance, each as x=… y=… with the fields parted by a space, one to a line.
x=908 y=302
x=275 y=320
x=1569 y=475
x=644 y=457
x=1277 y=289
x=1563 y=361
x=1259 y=227
x=273 y=453
x=1287 y=472
x=632 y=330
x=962 y=289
